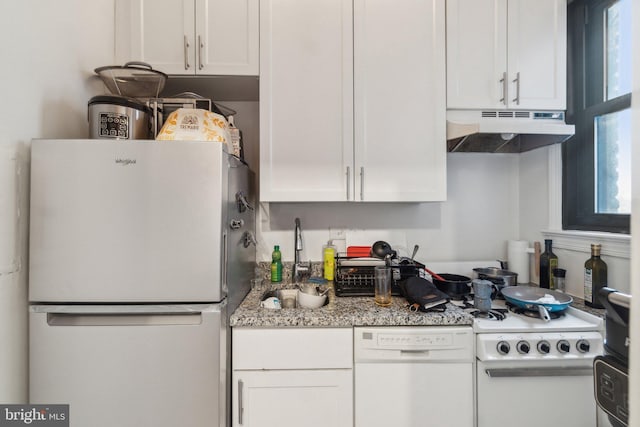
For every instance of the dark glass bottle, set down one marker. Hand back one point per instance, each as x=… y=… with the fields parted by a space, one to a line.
x=548 y=261
x=595 y=278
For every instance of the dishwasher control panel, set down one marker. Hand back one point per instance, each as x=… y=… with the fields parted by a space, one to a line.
x=420 y=340
x=417 y=342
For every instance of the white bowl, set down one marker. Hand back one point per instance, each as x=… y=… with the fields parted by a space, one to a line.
x=311 y=301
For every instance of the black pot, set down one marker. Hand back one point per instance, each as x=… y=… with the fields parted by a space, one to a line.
x=454 y=285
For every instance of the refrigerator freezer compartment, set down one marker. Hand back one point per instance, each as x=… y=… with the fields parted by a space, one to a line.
x=142 y=373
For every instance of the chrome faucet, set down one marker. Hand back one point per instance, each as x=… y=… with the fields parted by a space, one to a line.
x=300 y=270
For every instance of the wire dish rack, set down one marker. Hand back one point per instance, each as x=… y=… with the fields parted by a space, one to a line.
x=355 y=276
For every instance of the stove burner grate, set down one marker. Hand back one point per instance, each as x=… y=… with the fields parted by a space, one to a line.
x=533 y=313
x=493 y=314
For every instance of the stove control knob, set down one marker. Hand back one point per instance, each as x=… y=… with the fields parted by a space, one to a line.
x=544 y=347
x=563 y=346
x=583 y=346
x=503 y=348
x=523 y=347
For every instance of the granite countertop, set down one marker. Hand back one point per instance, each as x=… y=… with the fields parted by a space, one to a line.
x=340 y=312
x=580 y=305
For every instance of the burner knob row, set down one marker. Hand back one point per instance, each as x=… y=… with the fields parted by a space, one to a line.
x=543 y=347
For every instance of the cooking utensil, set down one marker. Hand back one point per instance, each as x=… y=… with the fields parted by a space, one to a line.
x=454 y=285
x=381 y=249
x=531 y=298
x=482 y=290
x=435 y=276
x=498 y=276
x=415 y=251
x=118 y=117
x=134 y=79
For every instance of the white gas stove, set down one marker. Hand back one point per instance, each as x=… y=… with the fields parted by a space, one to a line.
x=524 y=363
x=521 y=359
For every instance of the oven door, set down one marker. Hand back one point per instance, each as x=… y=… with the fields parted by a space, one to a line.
x=531 y=394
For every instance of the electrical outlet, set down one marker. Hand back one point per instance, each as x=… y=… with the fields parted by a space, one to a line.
x=337 y=233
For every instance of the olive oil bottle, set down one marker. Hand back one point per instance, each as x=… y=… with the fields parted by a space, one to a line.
x=595 y=277
x=548 y=262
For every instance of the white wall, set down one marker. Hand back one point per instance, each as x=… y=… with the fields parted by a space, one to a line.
x=49 y=50
x=480 y=215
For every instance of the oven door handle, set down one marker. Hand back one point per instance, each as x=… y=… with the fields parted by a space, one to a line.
x=539 y=372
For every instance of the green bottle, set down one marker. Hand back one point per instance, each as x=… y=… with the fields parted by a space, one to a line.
x=276 y=265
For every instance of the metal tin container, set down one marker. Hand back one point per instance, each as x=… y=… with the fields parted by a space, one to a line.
x=117 y=117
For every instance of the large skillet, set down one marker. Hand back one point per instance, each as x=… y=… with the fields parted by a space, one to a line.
x=454 y=285
x=529 y=298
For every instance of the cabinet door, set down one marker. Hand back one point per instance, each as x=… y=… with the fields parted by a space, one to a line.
x=314 y=398
x=537 y=54
x=400 y=101
x=476 y=53
x=227 y=37
x=159 y=32
x=306 y=100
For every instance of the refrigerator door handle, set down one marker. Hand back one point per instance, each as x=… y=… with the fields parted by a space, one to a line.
x=240 y=406
x=123 y=319
x=225 y=260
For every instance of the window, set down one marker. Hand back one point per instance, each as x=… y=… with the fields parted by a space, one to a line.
x=597 y=159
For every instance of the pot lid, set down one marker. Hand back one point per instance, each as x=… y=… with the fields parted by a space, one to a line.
x=134 y=79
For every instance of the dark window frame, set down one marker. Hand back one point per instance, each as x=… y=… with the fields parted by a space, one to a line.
x=585 y=78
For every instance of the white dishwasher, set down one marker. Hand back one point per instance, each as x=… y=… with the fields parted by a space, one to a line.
x=414 y=376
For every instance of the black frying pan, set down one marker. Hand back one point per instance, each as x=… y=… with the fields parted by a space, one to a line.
x=454 y=285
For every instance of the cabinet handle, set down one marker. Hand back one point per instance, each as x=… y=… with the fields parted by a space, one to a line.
x=348 y=183
x=186 y=53
x=517 y=82
x=200 y=46
x=240 y=407
x=503 y=80
x=361 y=182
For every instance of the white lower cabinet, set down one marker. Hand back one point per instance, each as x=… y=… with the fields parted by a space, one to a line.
x=311 y=398
x=292 y=377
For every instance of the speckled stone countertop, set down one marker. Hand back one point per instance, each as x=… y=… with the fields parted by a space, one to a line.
x=340 y=312
x=347 y=311
x=580 y=305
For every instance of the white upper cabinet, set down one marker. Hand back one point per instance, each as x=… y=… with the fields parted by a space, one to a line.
x=306 y=100
x=400 y=100
x=352 y=101
x=186 y=37
x=506 y=54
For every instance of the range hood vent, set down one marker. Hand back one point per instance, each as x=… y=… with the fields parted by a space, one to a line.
x=504 y=131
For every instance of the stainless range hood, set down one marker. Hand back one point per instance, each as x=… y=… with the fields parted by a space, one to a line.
x=504 y=131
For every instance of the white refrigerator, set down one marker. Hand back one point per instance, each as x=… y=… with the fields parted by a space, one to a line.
x=139 y=252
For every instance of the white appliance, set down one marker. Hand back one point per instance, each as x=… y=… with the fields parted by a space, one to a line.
x=139 y=251
x=413 y=376
x=531 y=372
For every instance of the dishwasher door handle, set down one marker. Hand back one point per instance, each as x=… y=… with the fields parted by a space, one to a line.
x=538 y=372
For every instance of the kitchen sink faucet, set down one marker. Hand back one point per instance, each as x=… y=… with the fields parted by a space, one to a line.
x=300 y=270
